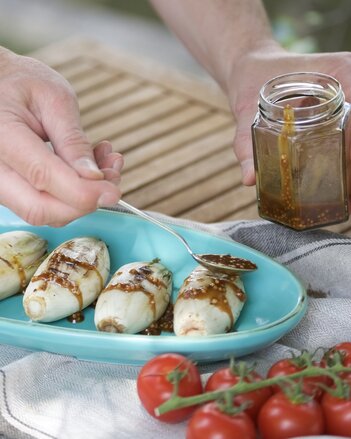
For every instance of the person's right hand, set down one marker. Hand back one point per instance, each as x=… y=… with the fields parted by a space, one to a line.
x=254 y=69
x=43 y=185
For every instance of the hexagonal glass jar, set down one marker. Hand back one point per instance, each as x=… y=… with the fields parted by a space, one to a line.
x=299 y=151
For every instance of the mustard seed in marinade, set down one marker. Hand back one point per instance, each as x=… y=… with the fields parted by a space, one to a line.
x=163 y=324
x=229 y=261
x=76 y=317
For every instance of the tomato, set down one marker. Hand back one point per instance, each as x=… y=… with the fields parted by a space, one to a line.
x=208 y=422
x=344 y=349
x=226 y=377
x=337 y=414
x=288 y=366
x=280 y=418
x=155 y=387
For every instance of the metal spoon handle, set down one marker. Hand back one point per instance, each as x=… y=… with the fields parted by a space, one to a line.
x=157 y=222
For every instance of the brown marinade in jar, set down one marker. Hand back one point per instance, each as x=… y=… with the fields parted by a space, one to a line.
x=299 y=151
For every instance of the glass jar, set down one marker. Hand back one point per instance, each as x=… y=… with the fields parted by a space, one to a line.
x=299 y=151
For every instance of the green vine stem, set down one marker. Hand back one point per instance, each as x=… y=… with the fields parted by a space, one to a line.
x=177 y=402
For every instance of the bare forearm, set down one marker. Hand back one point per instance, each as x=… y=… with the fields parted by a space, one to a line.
x=217 y=32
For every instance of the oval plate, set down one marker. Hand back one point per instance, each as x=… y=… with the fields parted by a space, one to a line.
x=276 y=299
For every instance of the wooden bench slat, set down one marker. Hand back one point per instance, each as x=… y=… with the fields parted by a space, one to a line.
x=183 y=116
x=133 y=119
x=57 y=55
x=136 y=98
x=112 y=90
x=185 y=200
x=249 y=213
x=176 y=159
x=182 y=179
x=171 y=140
x=220 y=207
x=96 y=78
x=76 y=67
x=204 y=91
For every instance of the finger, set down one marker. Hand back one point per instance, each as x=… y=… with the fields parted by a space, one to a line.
x=29 y=156
x=102 y=149
x=243 y=143
x=35 y=207
x=105 y=158
x=59 y=115
x=114 y=160
x=112 y=176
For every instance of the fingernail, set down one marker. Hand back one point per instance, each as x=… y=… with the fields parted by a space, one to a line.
x=247 y=171
x=118 y=164
x=107 y=199
x=106 y=145
x=87 y=163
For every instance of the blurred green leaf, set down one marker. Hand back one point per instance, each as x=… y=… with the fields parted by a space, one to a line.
x=313 y=18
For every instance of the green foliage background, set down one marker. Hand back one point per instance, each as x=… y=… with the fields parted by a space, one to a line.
x=300 y=25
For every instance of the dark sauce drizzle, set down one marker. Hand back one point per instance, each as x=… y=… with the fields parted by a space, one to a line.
x=15 y=264
x=53 y=274
x=163 y=324
x=212 y=287
x=139 y=275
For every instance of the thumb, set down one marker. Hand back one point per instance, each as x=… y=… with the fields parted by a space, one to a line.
x=61 y=122
x=243 y=143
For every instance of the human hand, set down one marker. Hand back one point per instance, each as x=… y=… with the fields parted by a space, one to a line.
x=253 y=70
x=45 y=185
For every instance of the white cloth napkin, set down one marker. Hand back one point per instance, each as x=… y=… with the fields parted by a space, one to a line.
x=48 y=396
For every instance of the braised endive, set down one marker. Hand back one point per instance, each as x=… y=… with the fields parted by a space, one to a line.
x=137 y=295
x=208 y=303
x=69 y=280
x=21 y=253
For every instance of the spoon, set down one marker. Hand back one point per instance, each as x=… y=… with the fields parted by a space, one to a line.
x=215 y=262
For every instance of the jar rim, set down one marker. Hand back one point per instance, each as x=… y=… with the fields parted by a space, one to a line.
x=299 y=85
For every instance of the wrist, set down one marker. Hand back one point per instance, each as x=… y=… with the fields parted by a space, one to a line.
x=243 y=62
x=249 y=71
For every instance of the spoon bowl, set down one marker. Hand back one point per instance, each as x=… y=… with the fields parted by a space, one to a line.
x=226 y=264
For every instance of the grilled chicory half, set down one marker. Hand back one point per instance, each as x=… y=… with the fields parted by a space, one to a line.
x=68 y=280
x=208 y=303
x=21 y=253
x=136 y=296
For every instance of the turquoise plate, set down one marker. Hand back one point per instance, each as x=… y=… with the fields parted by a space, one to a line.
x=276 y=299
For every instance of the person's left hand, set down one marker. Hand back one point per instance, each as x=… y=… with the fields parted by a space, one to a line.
x=49 y=184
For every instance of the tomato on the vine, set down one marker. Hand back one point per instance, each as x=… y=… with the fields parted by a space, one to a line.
x=226 y=377
x=344 y=351
x=154 y=384
x=337 y=414
x=281 y=418
x=209 y=422
x=288 y=366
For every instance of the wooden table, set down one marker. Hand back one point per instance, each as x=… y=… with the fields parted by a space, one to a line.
x=175 y=132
